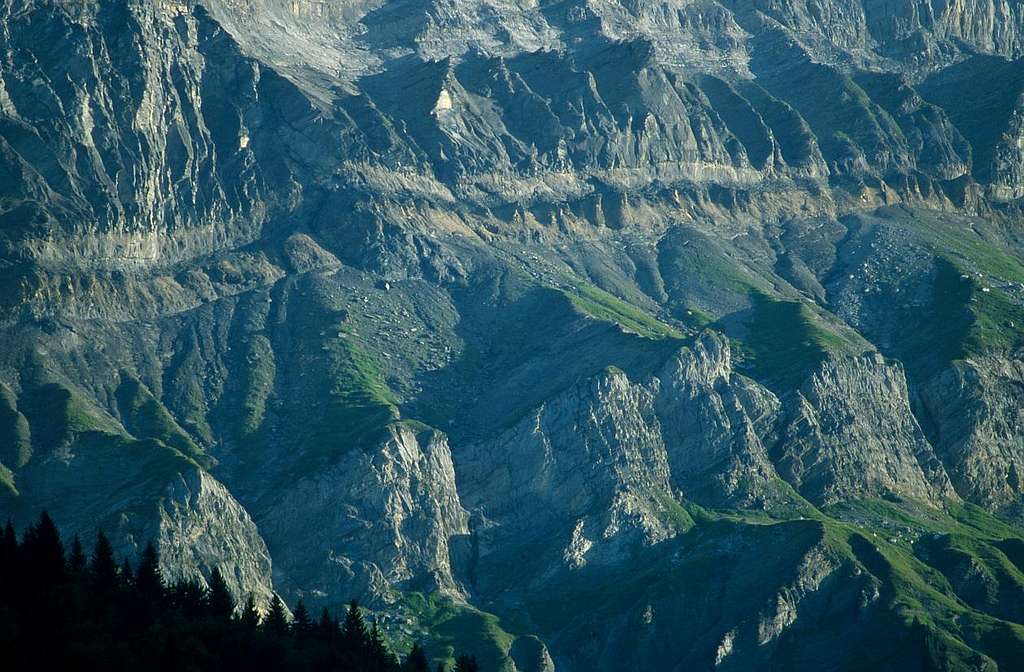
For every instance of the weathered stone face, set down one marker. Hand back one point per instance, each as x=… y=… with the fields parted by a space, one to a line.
x=679 y=311
x=374 y=523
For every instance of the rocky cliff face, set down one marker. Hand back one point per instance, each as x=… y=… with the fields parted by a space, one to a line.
x=701 y=317
x=973 y=406
x=141 y=145
x=153 y=494
x=201 y=527
x=851 y=433
x=716 y=425
x=377 y=521
x=583 y=479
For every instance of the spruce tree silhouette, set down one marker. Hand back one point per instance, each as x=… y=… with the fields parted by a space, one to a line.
x=42 y=551
x=149 y=582
x=8 y=552
x=416 y=661
x=76 y=559
x=148 y=596
x=353 y=630
x=102 y=566
x=380 y=656
x=327 y=627
x=70 y=614
x=276 y=623
x=189 y=597
x=250 y=618
x=125 y=575
x=301 y=623
x=221 y=602
x=10 y=540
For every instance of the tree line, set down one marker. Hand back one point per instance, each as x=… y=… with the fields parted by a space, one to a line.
x=63 y=609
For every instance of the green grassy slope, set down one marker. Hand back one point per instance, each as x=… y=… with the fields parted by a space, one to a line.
x=902 y=593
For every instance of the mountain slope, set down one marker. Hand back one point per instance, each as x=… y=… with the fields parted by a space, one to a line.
x=704 y=316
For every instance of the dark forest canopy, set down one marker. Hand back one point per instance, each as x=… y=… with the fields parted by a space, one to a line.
x=61 y=608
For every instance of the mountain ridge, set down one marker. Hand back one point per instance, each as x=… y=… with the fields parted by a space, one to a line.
x=501 y=297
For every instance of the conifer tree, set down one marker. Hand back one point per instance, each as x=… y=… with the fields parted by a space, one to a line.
x=108 y=619
x=327 y=628
x=125 y=576
x=353 y=631
x=43 y=550
x=103 y=567
x=219 y=598
x=250 y=615
x=10 y=536
x=8 y=550
x=416 y=661
x=149 y=582
x=276 y=623
x=189 y=597
x=380 y=656
x=301 y=622
x=76 y=559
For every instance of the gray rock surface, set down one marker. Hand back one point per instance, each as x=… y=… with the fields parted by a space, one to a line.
x=686 y=305
x=378 y=521
x=850 y=433
x=977 y=411
x=716 y=423
x=202 y=528
x=583 y=479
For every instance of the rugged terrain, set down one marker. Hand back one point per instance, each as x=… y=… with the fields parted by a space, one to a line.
x=584 y=334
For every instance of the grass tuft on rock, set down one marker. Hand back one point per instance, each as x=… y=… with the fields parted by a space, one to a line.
x=600 y=305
